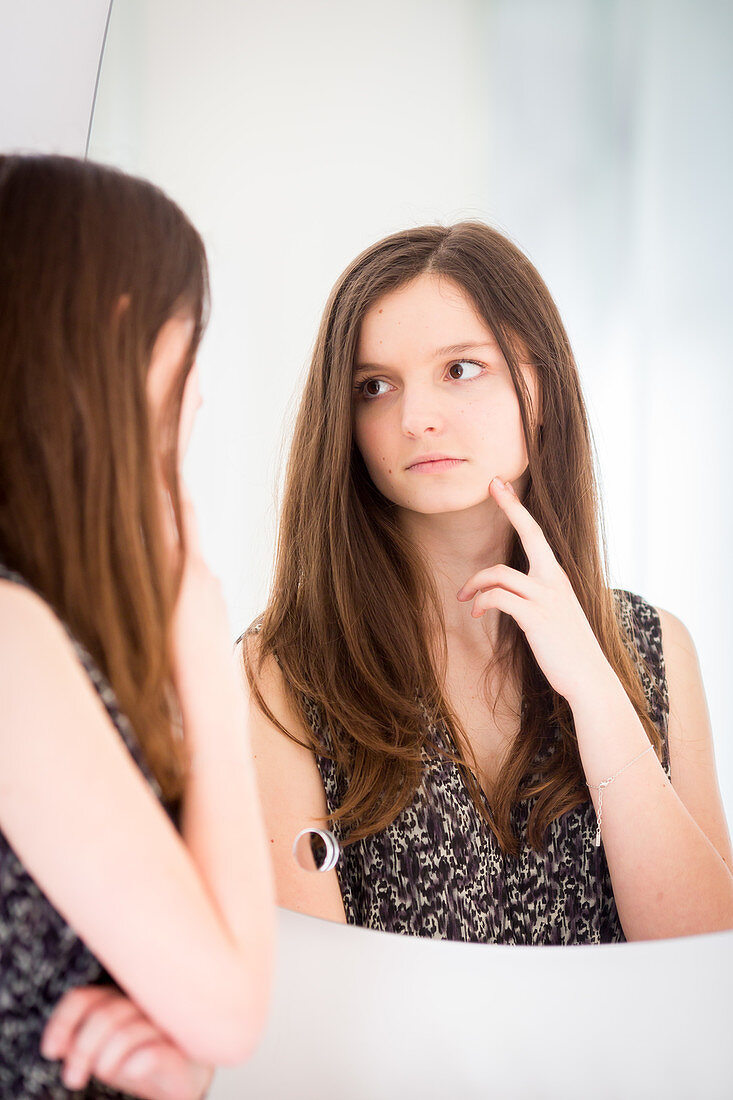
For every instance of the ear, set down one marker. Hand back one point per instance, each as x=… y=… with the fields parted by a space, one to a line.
x=121 y=307
x=530 y=375
x=537 y=402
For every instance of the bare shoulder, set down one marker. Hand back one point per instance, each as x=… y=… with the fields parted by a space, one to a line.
x=675 y=635
x=691 y=746
x=285 y=763
x=33 y=639
x=291 y=790
x=51 y=710
x=689 y=717
x=24 y=616
x=271 y=685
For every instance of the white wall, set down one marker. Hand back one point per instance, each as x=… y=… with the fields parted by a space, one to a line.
x=294 y=135
x=612 y=148
x=596 y=135
x=49 y=57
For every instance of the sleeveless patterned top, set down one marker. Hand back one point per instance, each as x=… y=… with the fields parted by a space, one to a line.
x=41 y=957
x=437 y=870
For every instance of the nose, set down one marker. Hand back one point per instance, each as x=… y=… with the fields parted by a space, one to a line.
x=420 y=411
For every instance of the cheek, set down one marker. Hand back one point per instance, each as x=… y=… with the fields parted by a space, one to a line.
x=372 y=442
x=494 y=428
x=516 y=446
x=189 y=407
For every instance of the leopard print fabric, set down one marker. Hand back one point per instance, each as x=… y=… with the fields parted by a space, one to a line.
x=41 y=957
x=437 y=870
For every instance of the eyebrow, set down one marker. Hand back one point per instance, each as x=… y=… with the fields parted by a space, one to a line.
x=451 y=349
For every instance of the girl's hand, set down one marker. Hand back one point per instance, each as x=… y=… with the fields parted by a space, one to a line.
x=98 y=1032
x=201 y=635
x=542 y=602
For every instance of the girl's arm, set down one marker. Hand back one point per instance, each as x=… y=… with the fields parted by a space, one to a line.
x=692 y=757
x=185 y=926
x=666 y=843
x=292 y=797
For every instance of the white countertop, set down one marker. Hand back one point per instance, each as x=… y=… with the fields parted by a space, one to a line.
x=358 y=1014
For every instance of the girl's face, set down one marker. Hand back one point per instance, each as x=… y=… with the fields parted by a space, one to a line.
x=436 y=416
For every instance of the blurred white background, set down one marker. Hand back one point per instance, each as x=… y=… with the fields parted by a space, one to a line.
x=595 y=133
x=49 y=60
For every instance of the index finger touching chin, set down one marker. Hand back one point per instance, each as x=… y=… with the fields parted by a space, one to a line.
x=532 y=537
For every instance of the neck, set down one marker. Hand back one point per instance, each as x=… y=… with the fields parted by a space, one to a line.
x=455 y=546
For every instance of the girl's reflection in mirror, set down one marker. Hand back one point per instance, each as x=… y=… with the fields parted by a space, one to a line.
x=507 y=749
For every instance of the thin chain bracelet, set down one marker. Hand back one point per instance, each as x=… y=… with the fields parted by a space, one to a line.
x=607 y=783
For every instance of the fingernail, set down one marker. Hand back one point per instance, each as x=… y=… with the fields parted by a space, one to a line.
x=511 y=488
x=73 y=1076
x=499 y=481
x=49 y=1047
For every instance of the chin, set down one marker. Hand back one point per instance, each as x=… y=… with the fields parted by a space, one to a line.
x=435 y=504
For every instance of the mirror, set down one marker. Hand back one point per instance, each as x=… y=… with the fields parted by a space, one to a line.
x=592 y=134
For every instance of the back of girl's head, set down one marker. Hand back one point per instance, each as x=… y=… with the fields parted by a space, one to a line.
x=92 y=264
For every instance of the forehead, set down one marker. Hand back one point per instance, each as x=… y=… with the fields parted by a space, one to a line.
x=426 y=314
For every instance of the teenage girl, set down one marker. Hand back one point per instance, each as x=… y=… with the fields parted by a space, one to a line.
x=132 y=849
x=507 y=749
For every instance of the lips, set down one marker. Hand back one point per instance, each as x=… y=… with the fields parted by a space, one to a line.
x=434 y=458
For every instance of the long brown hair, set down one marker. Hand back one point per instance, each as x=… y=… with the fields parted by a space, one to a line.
x=351 y=600
x=92 y=264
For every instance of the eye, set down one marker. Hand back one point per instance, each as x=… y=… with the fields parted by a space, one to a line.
x=368 y=387
x=465 y=366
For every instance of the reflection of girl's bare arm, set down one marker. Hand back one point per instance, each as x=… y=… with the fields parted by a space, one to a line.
x=191 y=950
x=692 y=757
x=666 y=843
x=292 y=798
